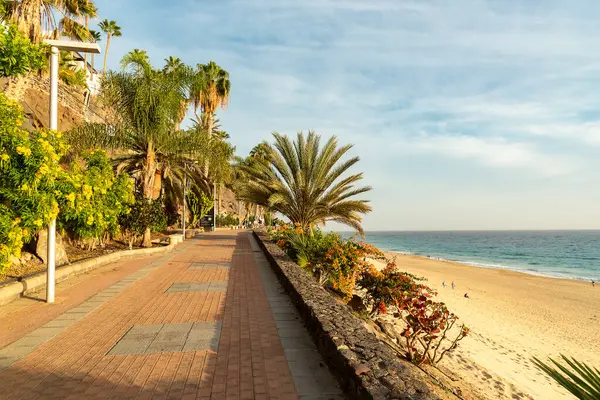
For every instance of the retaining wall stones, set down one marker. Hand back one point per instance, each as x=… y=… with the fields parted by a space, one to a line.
x=364 y=366
x=13 y=290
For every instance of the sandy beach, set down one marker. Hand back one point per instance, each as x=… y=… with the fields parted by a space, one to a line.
x=513 y=317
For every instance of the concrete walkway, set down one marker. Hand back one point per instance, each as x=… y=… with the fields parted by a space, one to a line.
x=206 y=321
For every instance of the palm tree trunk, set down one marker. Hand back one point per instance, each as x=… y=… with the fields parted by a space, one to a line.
x=209 y=123
x=28 y=19
x=93 y=67
x=87 y=26
x=106 y=52
x=148 y=188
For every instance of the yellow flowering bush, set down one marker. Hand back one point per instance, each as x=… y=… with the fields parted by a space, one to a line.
x=92 y=198
x=29 y=170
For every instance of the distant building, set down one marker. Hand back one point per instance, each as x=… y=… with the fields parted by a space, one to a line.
x=92 y=76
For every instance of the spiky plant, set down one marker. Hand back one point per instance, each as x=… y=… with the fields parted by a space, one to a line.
x=305 y=182
x=582 y=380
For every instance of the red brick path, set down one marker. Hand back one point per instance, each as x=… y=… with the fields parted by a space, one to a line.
x=249 y=364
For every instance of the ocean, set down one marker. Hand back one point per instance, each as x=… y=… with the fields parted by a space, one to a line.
x=559 y=254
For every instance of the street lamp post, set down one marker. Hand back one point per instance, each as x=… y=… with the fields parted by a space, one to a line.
x=55 y=46
x=184 y=188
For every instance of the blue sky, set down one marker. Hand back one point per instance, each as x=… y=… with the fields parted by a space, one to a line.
x=469 y=114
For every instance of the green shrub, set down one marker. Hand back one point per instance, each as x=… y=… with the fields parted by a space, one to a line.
x=199 y=204
x=17 y=54
x=92 y=199
x=142 y=214
x=227 y=219
x=29 y=169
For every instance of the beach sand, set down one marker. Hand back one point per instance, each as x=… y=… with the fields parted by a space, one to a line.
x=513 y=317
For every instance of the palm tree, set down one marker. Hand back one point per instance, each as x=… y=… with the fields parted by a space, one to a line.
x=580 y=379
x=95 y=37
x=137 y=59
x=111 y=29
x=303 y=181
x=38 y=18
x=146 y=107
x=173 y=65
x=210 y=89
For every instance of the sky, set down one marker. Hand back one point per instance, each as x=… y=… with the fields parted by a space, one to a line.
x=466 y=114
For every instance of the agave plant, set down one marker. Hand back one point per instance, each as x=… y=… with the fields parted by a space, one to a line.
x=304 y=181
x=582 y=380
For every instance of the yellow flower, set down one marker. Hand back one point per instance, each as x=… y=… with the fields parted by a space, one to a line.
x=90 y=220
x=38 y=222
x=26 y=151
x=44 y=134
x=24 y=187
x=59 y=134
x=70 y=197
x=4 y=157
x=16 y=221
x=44 y=169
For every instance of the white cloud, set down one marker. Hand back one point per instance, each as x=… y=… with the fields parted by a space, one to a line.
x=509 y=85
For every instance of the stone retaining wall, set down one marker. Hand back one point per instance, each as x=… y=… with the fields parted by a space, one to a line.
x=364 y=366
x=35 y=282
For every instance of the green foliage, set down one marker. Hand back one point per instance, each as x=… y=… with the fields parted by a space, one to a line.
x=199 y=204
x=582 y=380
x=92 y=199
x=29 y=169
x=142 y=214
x=227 y=219
x=304 y=181
x=334 y=261
x=69 y=73
x=18 y=55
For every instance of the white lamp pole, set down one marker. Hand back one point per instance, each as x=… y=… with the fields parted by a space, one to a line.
x=184 y=187
x=55 y=45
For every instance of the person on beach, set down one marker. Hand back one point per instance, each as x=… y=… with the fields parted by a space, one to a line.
x=452 y=285
x=593 y=283
x=467 y=296
x=444 y=284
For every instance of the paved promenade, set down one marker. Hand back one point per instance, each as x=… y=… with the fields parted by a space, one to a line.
x=206 y=321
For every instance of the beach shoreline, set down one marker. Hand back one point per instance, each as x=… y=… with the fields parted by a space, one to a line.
x=514 y=316
x=475 y=264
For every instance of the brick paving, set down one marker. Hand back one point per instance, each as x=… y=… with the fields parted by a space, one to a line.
x=94 y=317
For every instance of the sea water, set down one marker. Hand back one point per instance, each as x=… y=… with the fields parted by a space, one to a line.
x=560 y=254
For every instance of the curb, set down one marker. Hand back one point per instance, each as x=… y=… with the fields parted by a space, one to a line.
x=37 y=281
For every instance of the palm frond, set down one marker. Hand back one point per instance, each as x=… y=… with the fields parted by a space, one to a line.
x=577 y=377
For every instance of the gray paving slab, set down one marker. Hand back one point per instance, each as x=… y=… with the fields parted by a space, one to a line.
x=60 y=323
x=146 y=339
x=220 y=286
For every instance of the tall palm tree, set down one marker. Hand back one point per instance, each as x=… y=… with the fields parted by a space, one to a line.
x=176 y=68
x=146 y=107
x=173 y=65
x=209 y=90
x=96 y=37
x=38 y=18
x=111 y=29
x=137 y=59
x=303 y=181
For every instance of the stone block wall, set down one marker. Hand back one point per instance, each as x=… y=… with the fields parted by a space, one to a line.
x=364 y=366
